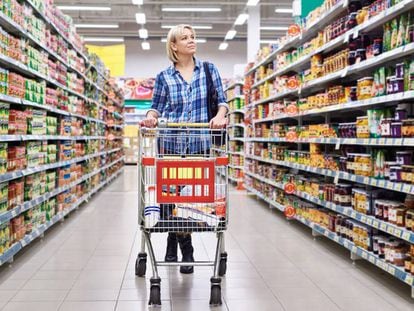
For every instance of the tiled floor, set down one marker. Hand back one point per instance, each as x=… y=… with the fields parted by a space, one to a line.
x=87 y=263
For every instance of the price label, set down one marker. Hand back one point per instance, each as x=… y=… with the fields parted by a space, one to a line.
x=372 y=259
x=345 y=4
x=409 y=279
x=364 y=255
x=346 y=244
x=391 y=270
x=354 y=249
x=397 y=232
x=382 y=141
x=336 y=180
x=336 y=238
x=356 y=33
x=344 y=72
x=363 y=219
x=406 y=235
x=353 y=178
x=383 y=227
x=326 y=233
x=406 y=188
x=369 y=221
x=398 y=187
x=366 y=180
x=353 y=215
x=338 y=145
x=381 y=183
x=390 y=230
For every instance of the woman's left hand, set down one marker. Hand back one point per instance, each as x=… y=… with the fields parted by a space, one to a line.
x=219 y=122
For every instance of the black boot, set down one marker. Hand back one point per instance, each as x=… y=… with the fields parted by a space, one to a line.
x=187 y=252
x=171 y=254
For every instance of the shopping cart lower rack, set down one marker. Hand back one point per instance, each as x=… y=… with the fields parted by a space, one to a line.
x=183 y=189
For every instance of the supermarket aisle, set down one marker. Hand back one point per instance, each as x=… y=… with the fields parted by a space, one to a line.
x=88 y=264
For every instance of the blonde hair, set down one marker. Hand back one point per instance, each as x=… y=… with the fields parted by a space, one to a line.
x=172 y=38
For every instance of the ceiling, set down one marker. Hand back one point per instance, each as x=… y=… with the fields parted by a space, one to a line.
x=123 y=13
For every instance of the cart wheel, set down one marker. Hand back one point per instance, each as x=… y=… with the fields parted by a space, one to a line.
x=215 y=295
x=141 y=265
x=223 y=264
x=155 y=295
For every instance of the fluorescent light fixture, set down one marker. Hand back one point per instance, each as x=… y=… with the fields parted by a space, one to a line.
x=194 y=26
x=145 y=45
x=223 y=46
x=96 y=25
x=190 y=9
x=102 y=39
x=198 y=40
x=241 y=19
x=141 y=19
x=274 y=28
x=143 y=33
x=230 y=34
x=138 y=2
x=268 y=41
x=83 y=8
x=284 y=10
x=252 y=2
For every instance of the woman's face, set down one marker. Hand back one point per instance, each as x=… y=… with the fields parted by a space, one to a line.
x=185 y=43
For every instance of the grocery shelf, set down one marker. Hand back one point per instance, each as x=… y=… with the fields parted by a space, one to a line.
x=395 y=271
x=6 y=216
x=218 y=150
x=53 y=27
x=234 y=179
x=397 y=142
x=29 y=171
x=236 y=125
x=370 y=181
x=312 y=30
x=236 y=139
x=372 y=23
x=236 y=153
x=353 y=105
x=399 y=232
x=47 y=137
x=237 y=167
x=237 y=111
x=235 y=97
x=233 y=85
x=15 y=248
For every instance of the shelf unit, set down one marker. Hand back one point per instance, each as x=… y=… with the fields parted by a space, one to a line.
x=266 y=120
x=236 y=130
x=95 y=131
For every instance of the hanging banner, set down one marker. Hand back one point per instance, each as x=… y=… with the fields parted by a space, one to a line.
x=113 y=57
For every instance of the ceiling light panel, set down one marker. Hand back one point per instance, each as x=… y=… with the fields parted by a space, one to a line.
x=190 y=9
x=102 y=39
x=223 y=46
x=241 y=19
x=145 y=45
x=274 y=28
x=194 y=26
x=138 y=2
x=230 y=34
x=143 y=33
x=83 y=8
x=140 y=18
x=252 y=2
x=96 y=25
x=284 y=10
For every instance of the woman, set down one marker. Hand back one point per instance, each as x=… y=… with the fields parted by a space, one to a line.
x=180 y=95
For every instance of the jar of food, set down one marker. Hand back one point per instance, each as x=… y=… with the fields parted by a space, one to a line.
x=353 y=95
x=386 y=127
x=351 y=58
x=365 y=88
x=399 y=70
x=360 y=56
x=362 y=127
x=381 y=247
x=404 y=157
x=398 y=85
x=408 y=128
x=379 y=209
x=400 y=217
x=385 y=211
x=375 y=246
x=352 y=21
x=342 y=194
x=377 y=47
x=396 y=128
x=407 y=263
x=409 y=219
x=390 y=85
x=399 y=254
x=395 y=173
x=400 y=114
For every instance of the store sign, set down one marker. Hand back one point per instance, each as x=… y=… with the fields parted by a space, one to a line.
x=292 y=110
x=291 y=136
x=290 y=212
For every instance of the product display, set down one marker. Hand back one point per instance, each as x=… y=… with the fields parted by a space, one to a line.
x=55 y=149
x=329 y=114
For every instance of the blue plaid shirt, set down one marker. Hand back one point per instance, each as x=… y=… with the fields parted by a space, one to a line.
x=179 y=101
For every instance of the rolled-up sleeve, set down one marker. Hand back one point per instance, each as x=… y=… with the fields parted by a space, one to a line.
x=159 y=96
x=215 y=75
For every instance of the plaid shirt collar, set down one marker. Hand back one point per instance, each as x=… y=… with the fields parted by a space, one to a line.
x=172 y=70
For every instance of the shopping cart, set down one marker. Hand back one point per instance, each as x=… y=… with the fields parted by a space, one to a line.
x=183 y=189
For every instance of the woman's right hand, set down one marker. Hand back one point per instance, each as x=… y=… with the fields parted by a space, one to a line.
x=149 y=121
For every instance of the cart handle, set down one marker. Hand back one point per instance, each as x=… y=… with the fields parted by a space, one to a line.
x=162 y=123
